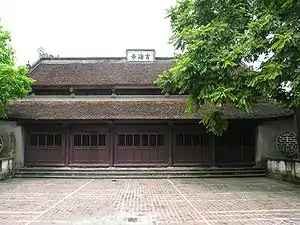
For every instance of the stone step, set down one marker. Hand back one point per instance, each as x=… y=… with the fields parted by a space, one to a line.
x=159 y=169
x=140 y=172
x=111 y=173
x=141 y=176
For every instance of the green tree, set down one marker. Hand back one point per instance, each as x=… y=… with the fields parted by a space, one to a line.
x=234 y=52
x=14 y=83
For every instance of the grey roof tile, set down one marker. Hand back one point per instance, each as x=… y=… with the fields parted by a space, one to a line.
x=151 y=108
x=97 y=72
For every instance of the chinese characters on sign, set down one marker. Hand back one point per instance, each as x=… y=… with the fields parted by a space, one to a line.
x=143 y=56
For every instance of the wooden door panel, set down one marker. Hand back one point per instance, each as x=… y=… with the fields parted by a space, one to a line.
x=207 y=156
x=40 y=156
x=141 y=144
x=234 y=154
x=236 y=147
x=89 y=156
x=79 y=156
x=141 y=156
x=45 y=145
x=191 y=146
x=163 y=156
x=89 y=145
x=187 y=155
x=121 y=155
x=128 y=155
x=153 y=156
x=138 y=157
x=248 y=154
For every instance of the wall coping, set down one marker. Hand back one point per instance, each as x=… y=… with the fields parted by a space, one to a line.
x=282 y=159
x=6 y=158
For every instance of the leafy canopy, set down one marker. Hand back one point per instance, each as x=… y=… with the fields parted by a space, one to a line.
x=234 y=52
x=13 y=80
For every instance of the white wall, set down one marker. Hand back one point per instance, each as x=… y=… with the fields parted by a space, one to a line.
x=12 y=127
x=267 y=134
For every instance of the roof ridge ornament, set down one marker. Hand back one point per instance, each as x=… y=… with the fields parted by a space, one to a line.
x=43 y=54
x=140 y=55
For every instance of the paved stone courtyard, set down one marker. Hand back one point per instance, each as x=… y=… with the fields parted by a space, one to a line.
x=161 y=201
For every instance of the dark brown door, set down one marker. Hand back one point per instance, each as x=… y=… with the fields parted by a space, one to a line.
x=192 y=146
x=141 y=145
x=236 y=147
x=45 y=146
x=89 y=145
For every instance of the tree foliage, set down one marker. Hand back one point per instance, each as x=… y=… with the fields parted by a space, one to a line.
x=234 y=52
x=13 y=80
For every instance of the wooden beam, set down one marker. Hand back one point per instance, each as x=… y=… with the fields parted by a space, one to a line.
x=68 y=138
x=111 y=138
x=170 y=142
x=213 y=149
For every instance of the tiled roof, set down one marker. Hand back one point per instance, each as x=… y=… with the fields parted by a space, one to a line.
x=106 y=71
x=124 y=108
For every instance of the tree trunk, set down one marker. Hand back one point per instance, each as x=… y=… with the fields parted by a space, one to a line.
x=297 y=127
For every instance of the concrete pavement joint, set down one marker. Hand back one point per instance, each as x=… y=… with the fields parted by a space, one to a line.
x=16 y=212
x=123 y=199
x=254 y=211
x=190 y=204
x=60 y=201
x=254 y=219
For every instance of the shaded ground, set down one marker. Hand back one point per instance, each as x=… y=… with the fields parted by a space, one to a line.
x=162 y=201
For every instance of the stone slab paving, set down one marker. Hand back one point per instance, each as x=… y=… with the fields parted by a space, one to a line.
x=149 y=201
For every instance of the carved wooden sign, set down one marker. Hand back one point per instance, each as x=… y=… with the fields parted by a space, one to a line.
x=287 y=144
x=140 y=55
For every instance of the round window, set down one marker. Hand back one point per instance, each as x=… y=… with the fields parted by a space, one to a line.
x=287 y=144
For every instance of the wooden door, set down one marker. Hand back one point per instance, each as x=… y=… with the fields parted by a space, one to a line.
x=45 y=146
x=89 y=145
x=192 y=146
x=141 y=145
x=236 y=147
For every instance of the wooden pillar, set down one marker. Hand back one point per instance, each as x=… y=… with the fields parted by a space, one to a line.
x=111 y=146
x=213 y=148
x=67 y=140
x=242 y=148
x=170 y=142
